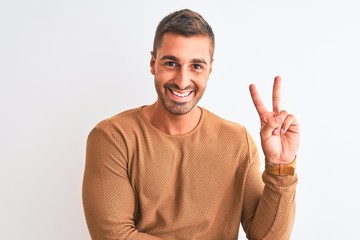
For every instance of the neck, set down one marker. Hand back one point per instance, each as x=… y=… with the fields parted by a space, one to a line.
x=169 y=123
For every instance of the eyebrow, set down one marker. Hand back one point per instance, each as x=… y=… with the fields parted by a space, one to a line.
x=175 y=59
x=170 y=57
x=199 y=60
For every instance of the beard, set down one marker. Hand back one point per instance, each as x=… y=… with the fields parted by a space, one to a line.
x=175 y=107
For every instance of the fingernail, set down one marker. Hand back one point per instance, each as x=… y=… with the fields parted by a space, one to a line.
x=276 y=131
x=279 y=119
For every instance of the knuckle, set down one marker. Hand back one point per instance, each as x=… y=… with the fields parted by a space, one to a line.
x=284 y=112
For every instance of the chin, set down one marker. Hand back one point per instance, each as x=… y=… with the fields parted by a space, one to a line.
x=180 y=108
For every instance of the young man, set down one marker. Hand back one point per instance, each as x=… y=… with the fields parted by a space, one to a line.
x=174 y=170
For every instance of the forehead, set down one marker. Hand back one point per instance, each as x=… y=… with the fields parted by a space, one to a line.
x=197 y=46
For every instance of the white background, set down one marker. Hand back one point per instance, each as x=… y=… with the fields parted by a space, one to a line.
x=66 y=65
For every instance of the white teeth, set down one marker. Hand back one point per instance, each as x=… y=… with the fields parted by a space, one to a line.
x=181 y=94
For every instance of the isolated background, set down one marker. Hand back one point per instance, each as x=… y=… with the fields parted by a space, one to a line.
x=66 y=65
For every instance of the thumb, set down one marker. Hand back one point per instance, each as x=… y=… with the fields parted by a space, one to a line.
x=272 y=127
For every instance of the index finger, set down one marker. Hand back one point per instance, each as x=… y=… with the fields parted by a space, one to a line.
x=260 y=107
x=276 y=95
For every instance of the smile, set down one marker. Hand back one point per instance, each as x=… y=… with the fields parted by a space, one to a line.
x=181 y=94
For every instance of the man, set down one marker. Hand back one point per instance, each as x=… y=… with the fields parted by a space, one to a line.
x=174 y=170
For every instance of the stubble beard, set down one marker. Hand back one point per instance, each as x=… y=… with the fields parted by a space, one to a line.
x=174 y=107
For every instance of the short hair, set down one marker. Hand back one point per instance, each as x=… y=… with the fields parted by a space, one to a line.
x=186 y=23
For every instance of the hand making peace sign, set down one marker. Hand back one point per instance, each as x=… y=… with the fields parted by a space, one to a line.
x=279 y=130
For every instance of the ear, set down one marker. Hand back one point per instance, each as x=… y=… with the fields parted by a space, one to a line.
x=152 y=63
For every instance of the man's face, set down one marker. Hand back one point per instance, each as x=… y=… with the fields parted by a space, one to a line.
x=181 y=68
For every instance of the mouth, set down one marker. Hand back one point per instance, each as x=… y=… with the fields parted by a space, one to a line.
x=181 y=94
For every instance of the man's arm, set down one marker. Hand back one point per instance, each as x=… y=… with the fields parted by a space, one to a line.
x=269 y=209
x=108 y=197
x=273 y=216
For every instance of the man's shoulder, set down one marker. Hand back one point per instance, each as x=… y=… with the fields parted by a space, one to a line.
x=228 y=134
x=220 y=122
x=220 y=127
x=120 y=120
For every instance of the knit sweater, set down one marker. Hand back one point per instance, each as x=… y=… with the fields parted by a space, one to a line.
x=141 y=183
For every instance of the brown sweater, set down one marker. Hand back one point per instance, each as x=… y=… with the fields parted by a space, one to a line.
x=141 y=183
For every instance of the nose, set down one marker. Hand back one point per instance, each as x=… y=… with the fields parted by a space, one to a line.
x=183 y=78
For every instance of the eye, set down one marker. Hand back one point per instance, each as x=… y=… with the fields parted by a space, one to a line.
x=197 y=66
x=171 y=64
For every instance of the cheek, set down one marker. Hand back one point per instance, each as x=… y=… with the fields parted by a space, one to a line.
x=202 y=81
x=164 y=75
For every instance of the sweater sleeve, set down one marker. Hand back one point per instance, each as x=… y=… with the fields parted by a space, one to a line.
x=269 y=204
x=109 y=200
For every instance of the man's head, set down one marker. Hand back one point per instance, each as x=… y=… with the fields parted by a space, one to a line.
x=186 y=23
x=182 y=60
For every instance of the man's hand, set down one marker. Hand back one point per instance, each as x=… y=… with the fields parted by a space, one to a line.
x=279 y=131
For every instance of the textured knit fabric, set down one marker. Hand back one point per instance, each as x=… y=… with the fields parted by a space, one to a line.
x=141 y=183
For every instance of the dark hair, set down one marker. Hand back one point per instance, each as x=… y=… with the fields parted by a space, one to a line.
x=184 y=22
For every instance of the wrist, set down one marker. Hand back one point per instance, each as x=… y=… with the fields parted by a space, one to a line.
x=281 y=169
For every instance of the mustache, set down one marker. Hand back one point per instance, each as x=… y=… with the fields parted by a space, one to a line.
x=176 y=87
